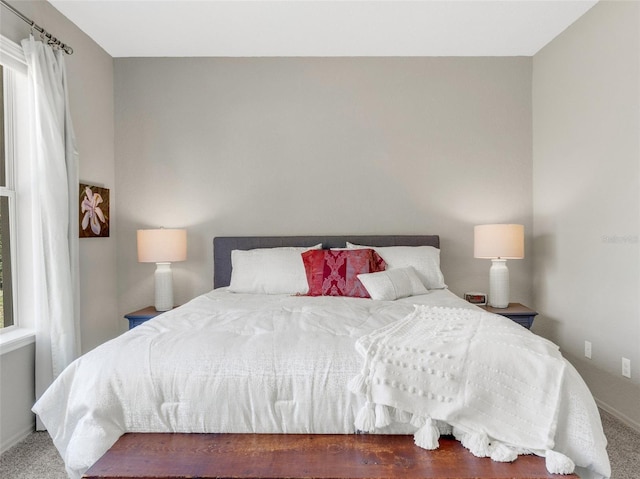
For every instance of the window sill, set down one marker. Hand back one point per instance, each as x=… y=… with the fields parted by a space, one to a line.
x=15 y=338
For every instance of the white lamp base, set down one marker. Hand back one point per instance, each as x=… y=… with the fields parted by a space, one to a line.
x=164 y=287
x=499 y=284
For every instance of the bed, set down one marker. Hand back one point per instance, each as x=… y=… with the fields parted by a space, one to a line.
x=241 y=359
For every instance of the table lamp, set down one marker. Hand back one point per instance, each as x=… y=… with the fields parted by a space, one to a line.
x=162 y=247
x=498 y=243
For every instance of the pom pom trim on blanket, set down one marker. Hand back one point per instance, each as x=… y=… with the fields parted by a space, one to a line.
x=408 y=373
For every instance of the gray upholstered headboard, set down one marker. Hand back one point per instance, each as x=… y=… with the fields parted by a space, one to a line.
x=223 y=245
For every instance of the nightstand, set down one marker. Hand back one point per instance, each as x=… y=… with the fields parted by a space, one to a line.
x=138 y=317
x=515 y=312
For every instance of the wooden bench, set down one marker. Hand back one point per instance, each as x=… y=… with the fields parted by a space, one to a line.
x=271 y=456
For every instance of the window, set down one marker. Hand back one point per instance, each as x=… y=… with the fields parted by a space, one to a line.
x=7 y=199
x=14 y=143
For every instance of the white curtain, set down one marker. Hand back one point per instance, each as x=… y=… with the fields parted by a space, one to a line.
x=54 y=186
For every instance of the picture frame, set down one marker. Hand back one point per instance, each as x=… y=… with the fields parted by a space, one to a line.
x=93 y=211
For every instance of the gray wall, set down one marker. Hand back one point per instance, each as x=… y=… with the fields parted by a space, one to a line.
x=320 y=146
x=17 y=391
x=586 y=163
x=90 y=74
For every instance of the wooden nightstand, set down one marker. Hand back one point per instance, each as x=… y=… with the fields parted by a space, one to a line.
x=138 y=317
x=515 y=312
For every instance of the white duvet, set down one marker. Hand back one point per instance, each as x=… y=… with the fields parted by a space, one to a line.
x=229 y=362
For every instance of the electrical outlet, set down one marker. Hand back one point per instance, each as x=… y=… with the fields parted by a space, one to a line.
x=587 y=349
x=626 y=368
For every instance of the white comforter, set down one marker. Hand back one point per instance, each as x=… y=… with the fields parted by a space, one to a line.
x=229 y=362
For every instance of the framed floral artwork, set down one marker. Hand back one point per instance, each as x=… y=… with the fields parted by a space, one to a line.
x=94 y=211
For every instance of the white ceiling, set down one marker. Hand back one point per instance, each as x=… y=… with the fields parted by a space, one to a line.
x=241 y=28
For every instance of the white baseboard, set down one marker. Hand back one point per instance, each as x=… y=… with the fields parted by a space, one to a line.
x=618 y=415
x=8 y=442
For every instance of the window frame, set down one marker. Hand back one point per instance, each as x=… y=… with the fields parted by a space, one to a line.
x=8 y=190
x=15 y=96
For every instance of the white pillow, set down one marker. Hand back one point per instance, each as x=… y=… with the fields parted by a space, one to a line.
x=269 y=271
x=393 y=284
x=425 y=260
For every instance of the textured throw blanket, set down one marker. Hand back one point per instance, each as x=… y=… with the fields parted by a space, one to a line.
x=490 y=382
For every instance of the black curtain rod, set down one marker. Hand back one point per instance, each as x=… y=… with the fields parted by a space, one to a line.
x=50 y=38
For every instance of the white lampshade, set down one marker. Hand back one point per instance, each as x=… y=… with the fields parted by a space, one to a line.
x=162 y=245
x=498 y=241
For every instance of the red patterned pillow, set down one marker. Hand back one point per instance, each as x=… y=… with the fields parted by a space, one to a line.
x=335 y=272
